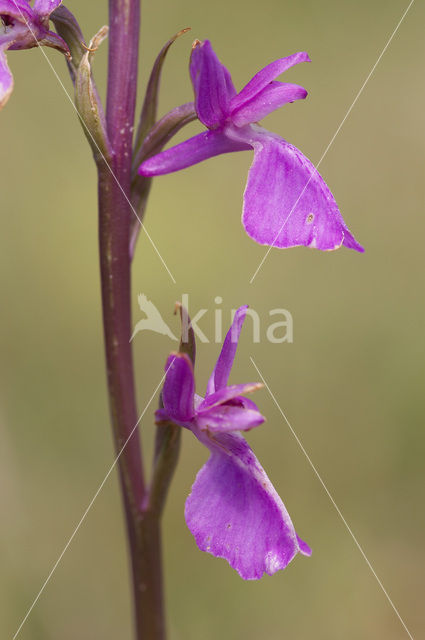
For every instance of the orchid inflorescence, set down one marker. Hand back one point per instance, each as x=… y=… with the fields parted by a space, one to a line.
x=233 y=510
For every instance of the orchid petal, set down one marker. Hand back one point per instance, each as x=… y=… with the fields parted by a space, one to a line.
x=235 y=513
x=179 y=388
x=228 y=393
x=265 y=76
x=286 y=202
x=221 y=372
x=272 y=97
x=6 y=78
x=212 y=85
x=18 y=9
x=245 y=403
x=201 y=147
x=226 y=418
x=46 y=7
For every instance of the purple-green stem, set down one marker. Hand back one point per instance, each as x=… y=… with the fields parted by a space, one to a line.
x=115 y=215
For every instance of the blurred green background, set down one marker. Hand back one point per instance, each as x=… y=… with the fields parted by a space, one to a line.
x=351 y=383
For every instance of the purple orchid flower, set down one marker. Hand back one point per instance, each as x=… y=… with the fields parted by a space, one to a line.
x=24 y=27
x=233 y=510
x=286 y=202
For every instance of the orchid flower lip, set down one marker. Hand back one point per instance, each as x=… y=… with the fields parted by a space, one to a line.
x=215 y=399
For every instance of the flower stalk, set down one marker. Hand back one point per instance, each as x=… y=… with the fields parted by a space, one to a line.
x=115 y=216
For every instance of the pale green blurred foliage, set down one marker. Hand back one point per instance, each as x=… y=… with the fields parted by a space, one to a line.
x=351 y=383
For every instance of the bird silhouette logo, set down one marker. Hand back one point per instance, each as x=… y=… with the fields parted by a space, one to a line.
x=153 y=320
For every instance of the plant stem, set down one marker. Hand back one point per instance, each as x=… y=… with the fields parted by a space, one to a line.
x=143 y=527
